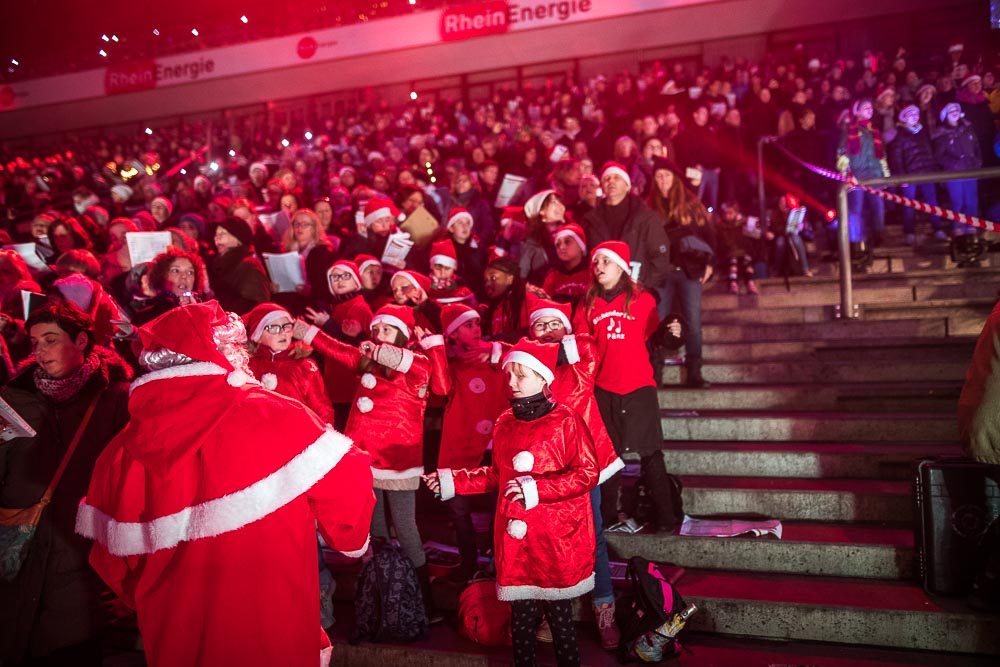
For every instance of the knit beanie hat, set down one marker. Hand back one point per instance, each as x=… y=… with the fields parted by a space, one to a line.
x=239 y=228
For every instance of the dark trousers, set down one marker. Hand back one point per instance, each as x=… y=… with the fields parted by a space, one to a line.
x=524 y=621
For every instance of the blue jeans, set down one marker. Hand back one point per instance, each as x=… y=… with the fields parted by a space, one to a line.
x=689 y=293
x=964 y=197
x=781 y=249
x=857 y=201
x=602 y=593
x=708 y=188
x=928 y=195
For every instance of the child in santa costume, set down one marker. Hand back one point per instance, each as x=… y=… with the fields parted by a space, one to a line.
x=412 y=289
x=387 y=419
x=203 y=510
x=469 y=252
x=476 y=390
x=374 y=282
x=544 y=465
x=446 y=286
x=621 y=316
x=348 y=320
x=567 y=281
x=574 y=386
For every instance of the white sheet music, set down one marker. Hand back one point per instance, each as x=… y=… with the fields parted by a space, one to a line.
x=285 y=269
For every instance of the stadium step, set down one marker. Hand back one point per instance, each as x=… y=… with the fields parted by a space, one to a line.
x=854 y=397
x=894 y=310
x=771 y=426
x=955 y=348
x=840 y=330
x=803 y=372
x=888 y=461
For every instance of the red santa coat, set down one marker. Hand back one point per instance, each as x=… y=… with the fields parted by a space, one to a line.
x=204 y=507
x=622 y=358
x=453 y=294
x=342 y=383
x=296 y=378
x=477 y=395
x=567 y=287
x=387 y=415
x=545 y=549
x=574 y=386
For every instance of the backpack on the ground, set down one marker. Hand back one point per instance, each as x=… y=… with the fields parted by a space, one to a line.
x=482 y=617
x=388 y=602
x=652 y=618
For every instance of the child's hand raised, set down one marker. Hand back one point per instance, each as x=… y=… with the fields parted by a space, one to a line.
x=300 y=329
x=317 y=317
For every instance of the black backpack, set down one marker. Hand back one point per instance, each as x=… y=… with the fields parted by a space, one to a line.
x=388 y=602
x=637 y=499
x=653 y=602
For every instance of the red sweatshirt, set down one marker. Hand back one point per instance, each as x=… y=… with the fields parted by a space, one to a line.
x=623 y=362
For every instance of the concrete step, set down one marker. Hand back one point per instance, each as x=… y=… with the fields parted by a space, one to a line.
x=940 y=349
x=776 y=426
x=853 y=611
x=804 y=372
x=978 y=308
x=803 y=460
x=872 y=551
x=798 y=499
x=859 y=397
x=840 y=330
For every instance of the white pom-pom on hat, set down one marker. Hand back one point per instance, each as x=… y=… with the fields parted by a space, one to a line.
x=368 y=381
x=365 y=404
x=517 y=529
x=237 y=378
x=269 y=380
x=524 y=461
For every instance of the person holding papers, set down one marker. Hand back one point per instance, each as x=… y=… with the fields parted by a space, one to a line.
x=238 y=277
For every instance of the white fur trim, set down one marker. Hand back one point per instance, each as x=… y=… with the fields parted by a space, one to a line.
x=571 y=349
x=433 y=340
x=310 y=334
x=368 y=381
x=220 y=515
x=496 y=353
x=325 y=655
x=614 y=257
x=532 y=362
x=196 y=369
x=393 y=321
x=511 y=593
x=610 y=471
x=458 y=216
x=460 y=320
x=524 y=461
x=453 y=299
x=576 y=237
x=447 y=480
x=551 y=312
x=269 y=380
x=406 y=362
x=237 y=378
x=268 y=319
x=444 y=260
x=484 y=427
x=347 y=269
x=615 y=169
x=384 y=212
x=517 y=529
x=365 y=404
x=368 y=262
x=382 y=473
x=530 y=490
x=358 y=553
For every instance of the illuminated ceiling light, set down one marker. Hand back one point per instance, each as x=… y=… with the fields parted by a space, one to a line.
x=214 y=166
x=14 y=62
x=413 y=94
x=413 y=2
x=114 y=38
x=184 y=172
x=105 y=38
x=156 y=32
x=309 y=136
x=244 y=18
x=149 y=130
x=232 y=153
x=194 y=31
x=102 y=53
x=284 y=142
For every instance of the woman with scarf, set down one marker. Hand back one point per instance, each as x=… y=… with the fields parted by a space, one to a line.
x=51 y=612
x=862 y=155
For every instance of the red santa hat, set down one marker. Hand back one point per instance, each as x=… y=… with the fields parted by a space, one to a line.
x=258 y=165
x=512 y=214
x=539 y=308
x=397 y=316
x=533 y=207
x=496 y=252
x=193 y=330
x=619 y=169
x=454 y=315
x=418 y=280
x=167 y=204
x=364 y=261
x=616 y=251
x=379 y=207
x=262 y=315
x=574 y=231
x=459 y=214
x=539 y=357
x=344 y=265
x=443 y=252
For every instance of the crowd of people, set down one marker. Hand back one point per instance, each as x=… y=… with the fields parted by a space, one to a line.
x=518 y=268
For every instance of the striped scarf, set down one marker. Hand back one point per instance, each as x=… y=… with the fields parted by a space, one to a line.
x=854 y=137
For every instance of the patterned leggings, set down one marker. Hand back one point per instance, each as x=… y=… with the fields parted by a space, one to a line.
x=740 y=267
x=524 y=622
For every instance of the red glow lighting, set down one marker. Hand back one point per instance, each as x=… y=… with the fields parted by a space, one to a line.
x=831 y=215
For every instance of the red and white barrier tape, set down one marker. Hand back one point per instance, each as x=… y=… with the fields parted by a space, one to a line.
x=898 y=199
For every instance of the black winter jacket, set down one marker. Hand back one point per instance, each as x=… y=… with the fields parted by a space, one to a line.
x=911 y=153
x=643 y=233
x=957 y=148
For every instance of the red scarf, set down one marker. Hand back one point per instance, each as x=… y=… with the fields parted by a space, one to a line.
x=854 y=137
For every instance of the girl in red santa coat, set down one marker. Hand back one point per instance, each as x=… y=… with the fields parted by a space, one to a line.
x=412 y=289
x=374 y=282
x=574 y=386
x=621 y=316
x=476 y=388
x=387 y=419
x=569 y=279
x=446 y=286
x=544 y=464
x=348 y=320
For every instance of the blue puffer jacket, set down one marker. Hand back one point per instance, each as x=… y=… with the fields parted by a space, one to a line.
x=956 y=147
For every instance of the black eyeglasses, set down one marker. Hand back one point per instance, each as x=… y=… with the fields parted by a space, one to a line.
x=278 y=328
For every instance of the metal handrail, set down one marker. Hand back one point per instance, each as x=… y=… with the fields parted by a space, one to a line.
x=843 y=233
